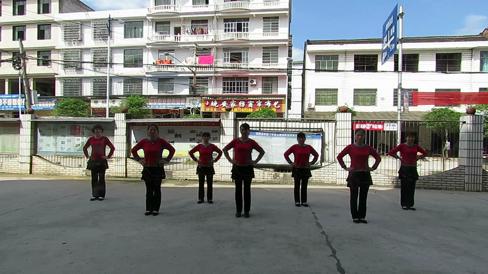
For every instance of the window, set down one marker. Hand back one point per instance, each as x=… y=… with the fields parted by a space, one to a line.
x=326 y=97
x=236 y=25
x=407 y=93
x=484 y=61
x=133 y=58
x=270 y=85
x=448 y=93
x=100 y=30
x=326 y=62
x=163 y=28
x=201 y=86
x=235 y=85
x=200 y=2
x=100 y=57
x=446 y=62
x=13 y=87
x=236 y=56
x=72 y=32
x=72 y=87
x=163 y=2
x=270 y=55
x=18 y=33
x=72 y=59
x=2 y=84
x=483 y=89
x=132 y=86
x=364 y=97
x=99 y=87
x=271 y=24
x=43 y=6
x=44 y=58
x=166 y=85
x=43 y=32
x=133 y=29
x=410 y=62
x=19 y=7
x=203 y=51
x=199 y=27
x=0 y=27
x=368 y=62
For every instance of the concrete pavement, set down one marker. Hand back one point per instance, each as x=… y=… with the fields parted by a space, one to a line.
x=51 y=227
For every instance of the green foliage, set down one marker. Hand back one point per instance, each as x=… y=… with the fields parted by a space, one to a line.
x=443 y=120
x=72 y=107
x=350 y=110
x=136 y=107
x=192 y=116
x=483 y=110
x=263 y=113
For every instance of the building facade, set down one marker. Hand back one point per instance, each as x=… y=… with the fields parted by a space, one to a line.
x=349 y=72
x=216 y=54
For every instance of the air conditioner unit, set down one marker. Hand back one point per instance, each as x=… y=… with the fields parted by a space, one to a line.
x=253 y=82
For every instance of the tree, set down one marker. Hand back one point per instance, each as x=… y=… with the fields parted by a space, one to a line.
x=263 y=113
x=136 y=107
x=442 y=120
x=483 y=109
x=72 y=107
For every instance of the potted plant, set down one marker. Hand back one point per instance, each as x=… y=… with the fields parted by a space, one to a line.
x=343 y=109
x=471 y=110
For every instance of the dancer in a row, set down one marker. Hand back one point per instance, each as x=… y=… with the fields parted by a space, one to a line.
x=205 y=168
x=97 y=161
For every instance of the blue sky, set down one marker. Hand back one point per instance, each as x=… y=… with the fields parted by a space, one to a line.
x=344 y=19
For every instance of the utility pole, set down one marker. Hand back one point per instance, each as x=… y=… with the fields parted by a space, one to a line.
x=109 y=28
x=194 y=71
x=400 y=69
x=28 y=97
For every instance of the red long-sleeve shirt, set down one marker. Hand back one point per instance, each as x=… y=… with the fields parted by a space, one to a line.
x=98 y=146
x=359 y=156
x=243 y=150
x=301 y=155
x=407 y=153
x=153 y=150
x=205 y=154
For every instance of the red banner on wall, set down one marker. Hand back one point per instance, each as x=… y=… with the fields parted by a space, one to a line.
x=371 y=126
x=449 y=98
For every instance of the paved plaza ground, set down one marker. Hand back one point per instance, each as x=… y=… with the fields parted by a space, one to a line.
x=50 y=226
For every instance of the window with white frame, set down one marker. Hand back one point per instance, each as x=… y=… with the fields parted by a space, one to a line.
x=270 y=55
x=72 y=87
x=163 y=28
x=446 y=62
x=271 y=24
x=364 y=97
x=100 y=57
x=407 y=93
x=72 y=59
x=43 y=6
x=199 y=27
x=100 y=30
x=366 y=62
x=270 y=85
x=134 y=29
x=72 y=32
x=133 y=58
x=235 y=85
x=484 y=61
x=326 y=63
x=44 y=32
x=236 y=56
x=236 y=25
x=201 y=87
x=410 y=62
x=19 y=7
x=132 y=86
x=166 y=85
x=326 y=96
x=200 y=3
x=164 y=2
x=18 y=33
x=99 y=87
x=43 y=58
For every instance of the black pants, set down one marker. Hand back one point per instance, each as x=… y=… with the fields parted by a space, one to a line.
x=98 y=182
x=201 y=186
x=362 y=191
x=153 y=194
x=247 y=194
x=407 y=192
x=303 y=191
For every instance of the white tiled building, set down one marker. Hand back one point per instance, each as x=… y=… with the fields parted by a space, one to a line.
x=349 y=72
x=172 y=49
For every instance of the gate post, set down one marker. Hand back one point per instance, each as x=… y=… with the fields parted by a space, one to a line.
x=26 y=144
x=343 y=138
x=471 y=151
x=120 y=143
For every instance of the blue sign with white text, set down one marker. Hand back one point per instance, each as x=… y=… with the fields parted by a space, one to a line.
x=390 y=36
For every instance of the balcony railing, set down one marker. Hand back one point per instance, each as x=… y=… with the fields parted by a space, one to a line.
x=179 y=68
x=182 y=38
x=232 y=5
x=220 y=5
x=234 y=36
x=164 y=9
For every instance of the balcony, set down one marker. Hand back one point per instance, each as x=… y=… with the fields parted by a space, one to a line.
x=185 y=38
x=174 y=68
x=233 y=36
x=164 y=10
x=234 y=5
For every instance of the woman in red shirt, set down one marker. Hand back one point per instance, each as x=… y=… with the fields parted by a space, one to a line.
x=205 y=165
x=97 y=161
x=409 y=154
x=359 y=178
x=153 y=162
x=301 y=167
x=243 y=167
